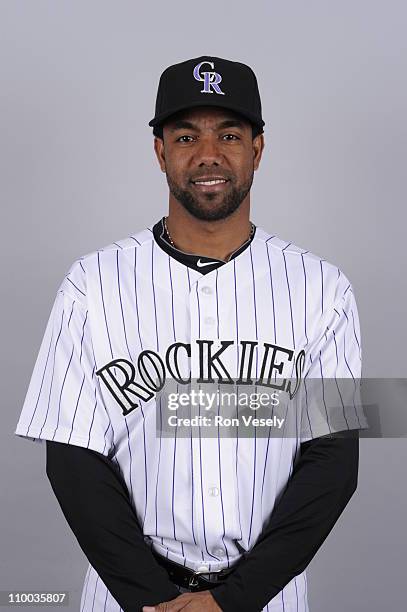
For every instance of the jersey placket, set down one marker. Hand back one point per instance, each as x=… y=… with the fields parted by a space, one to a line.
x=207 y=485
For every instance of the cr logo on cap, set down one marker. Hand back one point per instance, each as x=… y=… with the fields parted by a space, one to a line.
x=210 y=79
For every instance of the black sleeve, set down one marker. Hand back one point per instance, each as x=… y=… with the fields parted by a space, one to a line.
x=322 y=482
x=95 y=501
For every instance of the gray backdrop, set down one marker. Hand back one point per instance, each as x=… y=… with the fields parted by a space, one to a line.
x=78 y=85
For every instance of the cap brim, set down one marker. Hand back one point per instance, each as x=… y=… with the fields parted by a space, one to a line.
x=252 y=118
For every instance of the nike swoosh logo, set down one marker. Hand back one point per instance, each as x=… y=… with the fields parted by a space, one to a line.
x=201 y=264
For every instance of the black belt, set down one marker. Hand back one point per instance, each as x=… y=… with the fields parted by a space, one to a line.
x=190 y=579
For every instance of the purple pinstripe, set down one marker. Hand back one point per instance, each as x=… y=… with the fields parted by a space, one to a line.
x=52 y=377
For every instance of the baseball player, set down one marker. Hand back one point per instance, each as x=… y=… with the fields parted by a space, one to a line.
x=200 y=297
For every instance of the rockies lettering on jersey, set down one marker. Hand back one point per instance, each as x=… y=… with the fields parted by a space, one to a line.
x=208 y=363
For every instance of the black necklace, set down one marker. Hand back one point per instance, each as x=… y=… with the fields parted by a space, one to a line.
x=172 y=242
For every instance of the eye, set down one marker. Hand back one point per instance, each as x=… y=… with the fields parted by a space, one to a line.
x=180 y=139
x=230 y=137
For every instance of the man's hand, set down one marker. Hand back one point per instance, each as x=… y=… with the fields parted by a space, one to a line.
x=202 y=601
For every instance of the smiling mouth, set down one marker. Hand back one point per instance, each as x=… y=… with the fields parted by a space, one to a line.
x=210 y=182
x=210 y=185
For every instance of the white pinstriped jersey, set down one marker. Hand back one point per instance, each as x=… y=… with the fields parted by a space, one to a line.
x=200 y=500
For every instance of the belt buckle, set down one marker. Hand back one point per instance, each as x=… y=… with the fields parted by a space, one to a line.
x=193 y=582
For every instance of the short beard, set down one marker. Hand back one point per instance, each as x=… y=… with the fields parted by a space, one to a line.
x=230 y=203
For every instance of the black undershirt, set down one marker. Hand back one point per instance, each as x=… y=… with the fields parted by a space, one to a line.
x=96 y=504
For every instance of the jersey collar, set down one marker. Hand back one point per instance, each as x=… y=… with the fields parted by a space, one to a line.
x=200 y=263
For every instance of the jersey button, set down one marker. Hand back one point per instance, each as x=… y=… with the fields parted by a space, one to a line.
x=213 y=491
x=207 y=290
x=209 y=320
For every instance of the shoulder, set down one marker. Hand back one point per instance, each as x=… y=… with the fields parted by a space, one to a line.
x=86 y=267
x=129 y=242
x=307 y=267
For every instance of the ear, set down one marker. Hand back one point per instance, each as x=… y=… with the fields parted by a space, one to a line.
x=159 y=151
x=258 y=147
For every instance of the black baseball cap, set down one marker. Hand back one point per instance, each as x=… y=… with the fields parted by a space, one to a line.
x=208 y=81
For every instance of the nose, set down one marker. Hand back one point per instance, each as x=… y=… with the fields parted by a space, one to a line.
x=208 y=152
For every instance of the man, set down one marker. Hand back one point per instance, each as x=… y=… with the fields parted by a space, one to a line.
x=199 y=522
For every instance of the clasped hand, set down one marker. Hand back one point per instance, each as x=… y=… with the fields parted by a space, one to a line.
x=201 y=601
